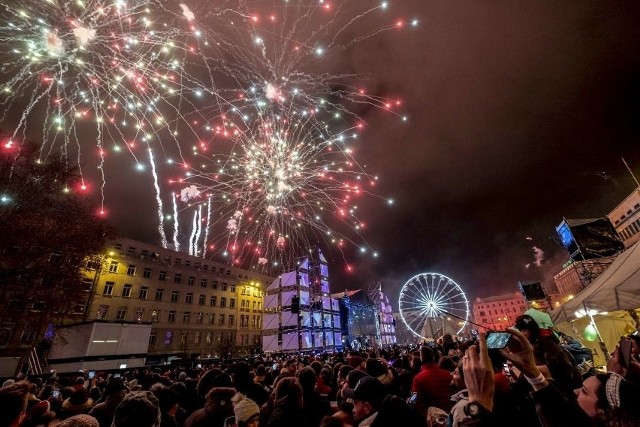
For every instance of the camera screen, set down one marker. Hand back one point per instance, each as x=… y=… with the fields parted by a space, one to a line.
x=498 y=339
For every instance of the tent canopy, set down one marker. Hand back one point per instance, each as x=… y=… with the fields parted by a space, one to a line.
x=617 y=288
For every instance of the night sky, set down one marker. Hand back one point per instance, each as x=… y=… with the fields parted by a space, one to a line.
x=519 y=115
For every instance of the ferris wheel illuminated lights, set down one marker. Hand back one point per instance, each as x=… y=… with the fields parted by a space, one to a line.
x=427 y=296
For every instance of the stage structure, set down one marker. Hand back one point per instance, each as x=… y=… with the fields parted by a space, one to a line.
x=299 y=313
x=367 y=318
x=589 y=238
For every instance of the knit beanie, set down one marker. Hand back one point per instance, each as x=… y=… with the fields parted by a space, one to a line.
x=80 y=420
x=244 y=408
x=138 y=409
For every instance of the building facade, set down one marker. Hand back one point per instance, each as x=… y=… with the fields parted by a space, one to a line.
x=499 y=312
x=626 y=218
x=196 y=307
x=577 y=275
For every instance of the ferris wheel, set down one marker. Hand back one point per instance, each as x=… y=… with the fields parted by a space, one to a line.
x=432 y=304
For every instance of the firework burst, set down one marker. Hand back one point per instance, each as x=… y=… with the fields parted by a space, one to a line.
x=277 y=154
x=112 y=71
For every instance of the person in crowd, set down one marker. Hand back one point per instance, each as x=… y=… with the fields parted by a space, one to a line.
x=80 y=420
x=78 y=402
x=431 y=385
x=246 y=411
x=367 y=397
x=287 y=407
x=460 y=397
x=602 y=400
x=39 y=415
x=104 y=411
x=217 y=409
x=137 y=409
x=243 y=383
x=314 y=406
x=13 y=403
x=168 y=404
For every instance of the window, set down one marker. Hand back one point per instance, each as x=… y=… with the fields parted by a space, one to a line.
x=232 y=303
x=175 y=295
x=205 y=267
x=224 y=286
x=144 y=290
x=162 y=276
x=146 y=273
x=199 y=318
x=177 y=278
x=209 y=337
x=241 y=303
x=126 y=290
x=171 y=318
x=121 y=313
x=258 y=325
x=178 y=261
x=189 y=298
x=223 y=302
x=159 y=294
x=212 y=319
x=202 y=299
x=253 y=321
x=131 y=250
x=113 y=267
x=233 y=288
x=152 y=338
x=254 y=305
x=214 y=285
x=168 y=337
x=191 y=281
x=243 y=290
x=228 y=272
x=155 y=316
x=131 y=270
x=186 y=317
x=196 y=337
x=183 y=337
x=138 y=314
x=221 y=320
x=212 y=301
x=86 y=285
x=102 y=312
x=232 y=319
x=92 y=264
x=108 y=288
x=203 y=283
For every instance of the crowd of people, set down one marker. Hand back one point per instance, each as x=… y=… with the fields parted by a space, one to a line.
x=537 y=379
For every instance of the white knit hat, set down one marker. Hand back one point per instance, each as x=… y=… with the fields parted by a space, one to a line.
x=244 y=408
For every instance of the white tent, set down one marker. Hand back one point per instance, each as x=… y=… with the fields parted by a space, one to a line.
x=617 y=288
x=607 y=299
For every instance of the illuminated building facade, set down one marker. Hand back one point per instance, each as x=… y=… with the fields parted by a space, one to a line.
x=499 y=312
x=196 y=307
x=626 y=218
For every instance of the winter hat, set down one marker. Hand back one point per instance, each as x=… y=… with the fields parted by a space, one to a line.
x=80 y=420
x=244 y=408
x=38 y=414
x=375 y=368
x=138 y=409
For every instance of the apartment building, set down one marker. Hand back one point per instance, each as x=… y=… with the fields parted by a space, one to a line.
x=499 y=312
x=196 y=307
